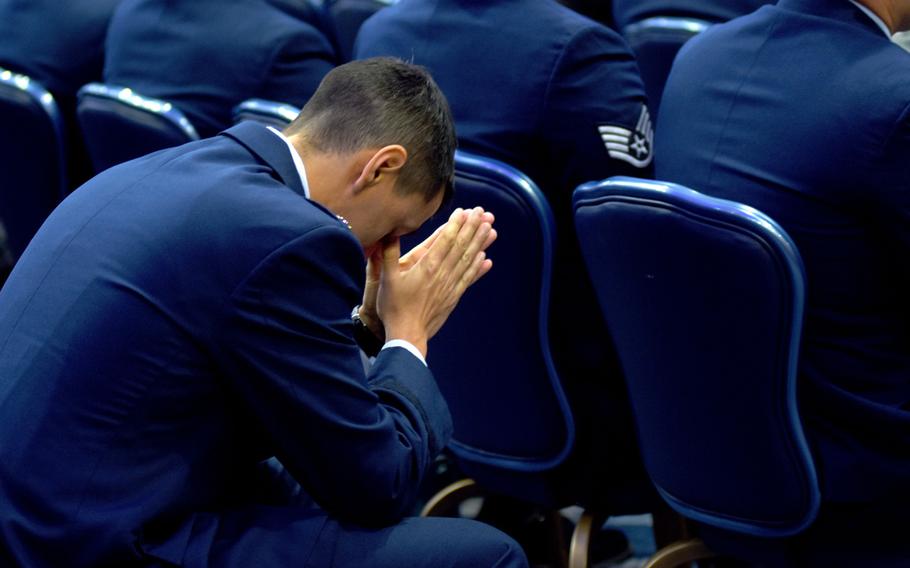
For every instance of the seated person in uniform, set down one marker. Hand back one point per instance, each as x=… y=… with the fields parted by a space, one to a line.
x=185 y=317
x=802 y=110
x=207 y=56
x=557 y=96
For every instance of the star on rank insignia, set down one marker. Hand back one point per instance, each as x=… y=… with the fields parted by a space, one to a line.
x=632 y=146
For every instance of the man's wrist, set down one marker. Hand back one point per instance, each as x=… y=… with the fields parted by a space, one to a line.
x=414 y=350
x=365 y=336
x=372 y=320
x=411 y=336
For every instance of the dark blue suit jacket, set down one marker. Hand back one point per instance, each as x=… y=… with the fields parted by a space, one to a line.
x=626 y=12
x=178 y=319
x=544 y=89
x=803 y=111
x=206 y=56
x=59 y=44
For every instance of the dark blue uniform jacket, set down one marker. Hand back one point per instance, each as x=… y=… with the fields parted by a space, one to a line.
x=177 y=320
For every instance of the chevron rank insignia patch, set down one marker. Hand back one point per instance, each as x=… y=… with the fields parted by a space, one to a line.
x=632 y=146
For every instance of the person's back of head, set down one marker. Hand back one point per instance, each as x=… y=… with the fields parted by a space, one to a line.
x=379 y=102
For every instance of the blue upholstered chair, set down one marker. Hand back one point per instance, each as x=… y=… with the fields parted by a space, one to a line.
x=655 y=42
x=271 y=113
x=513 y=425
x=119 y=124
x=32 y=157
x=704 y=298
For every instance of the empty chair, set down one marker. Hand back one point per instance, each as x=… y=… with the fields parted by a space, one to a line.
x=32 y=157
x=705 y=300
x=271 y=113
x=655 y=42
x=120 y=124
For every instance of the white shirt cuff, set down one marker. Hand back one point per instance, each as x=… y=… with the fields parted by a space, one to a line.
x=407 y=345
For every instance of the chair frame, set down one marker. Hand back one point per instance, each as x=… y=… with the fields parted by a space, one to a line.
x=130 y=98
x=671 y=24
x=281 y=112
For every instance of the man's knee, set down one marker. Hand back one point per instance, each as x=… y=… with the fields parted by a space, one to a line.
x=487 y=546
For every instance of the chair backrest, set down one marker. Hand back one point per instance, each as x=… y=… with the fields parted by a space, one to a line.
x=271 y=113
x=119 y=124
x=348 y=16
x=704 y=299
x=655 y=42
x=32 y=157
x=492 y=357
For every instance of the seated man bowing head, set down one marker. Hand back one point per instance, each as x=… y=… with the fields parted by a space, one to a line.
x=185 y=316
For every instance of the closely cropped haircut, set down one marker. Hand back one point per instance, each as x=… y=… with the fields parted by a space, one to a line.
x=376 y=102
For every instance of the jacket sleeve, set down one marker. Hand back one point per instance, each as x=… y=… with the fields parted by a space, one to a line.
x=358 y=444
x=595 y=114
x=301 y=57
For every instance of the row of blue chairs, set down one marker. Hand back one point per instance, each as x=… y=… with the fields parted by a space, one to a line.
x=117 y=124
x=705 y=300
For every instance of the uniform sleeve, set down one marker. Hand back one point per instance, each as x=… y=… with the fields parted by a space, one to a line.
x=359 y=445
x=300 y=60
x=596 y=116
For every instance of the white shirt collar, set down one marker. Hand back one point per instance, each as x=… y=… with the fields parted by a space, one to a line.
x=878 y=21
x=298 y=163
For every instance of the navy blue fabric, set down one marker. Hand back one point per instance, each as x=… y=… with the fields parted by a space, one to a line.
x=31 y=162
x=598 y=10
x=502 y=322
x=626 y=12
x=530 y=82
x=348 y=16
x=60 y=44
x=178 y=319
x=705 y=300
x=801 y=110
x=206 y=56
x=656 y=41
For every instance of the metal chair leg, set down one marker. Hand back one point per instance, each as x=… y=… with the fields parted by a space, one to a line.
x=681 y=552
x=446 y=501
x=580 y=546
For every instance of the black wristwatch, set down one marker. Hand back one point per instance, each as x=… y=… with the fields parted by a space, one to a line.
x=365 y=338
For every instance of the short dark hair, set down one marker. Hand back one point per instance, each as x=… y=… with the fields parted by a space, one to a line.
x=375 y=102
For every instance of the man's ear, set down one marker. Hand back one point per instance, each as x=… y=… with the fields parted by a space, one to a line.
x=385 y=162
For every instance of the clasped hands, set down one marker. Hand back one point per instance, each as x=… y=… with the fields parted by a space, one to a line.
x=410 y=297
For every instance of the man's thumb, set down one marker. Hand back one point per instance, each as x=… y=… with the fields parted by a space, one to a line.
x=391 y=252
